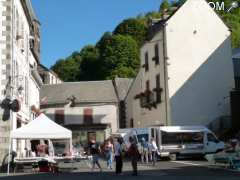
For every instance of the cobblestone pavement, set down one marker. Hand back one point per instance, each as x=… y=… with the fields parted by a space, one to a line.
x=169 y=170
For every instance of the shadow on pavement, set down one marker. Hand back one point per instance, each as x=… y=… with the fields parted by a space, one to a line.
x=183 y=172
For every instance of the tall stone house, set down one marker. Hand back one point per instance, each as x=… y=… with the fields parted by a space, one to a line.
x=186 y=73
x=19 y=57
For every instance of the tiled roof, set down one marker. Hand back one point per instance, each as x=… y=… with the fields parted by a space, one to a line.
x=122 y=87
x=84 y=92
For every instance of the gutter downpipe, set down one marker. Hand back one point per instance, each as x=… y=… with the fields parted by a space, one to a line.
x=165 y=57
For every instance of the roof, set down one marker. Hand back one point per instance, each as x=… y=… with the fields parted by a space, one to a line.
x=41 y=128
x=176 y=129
x=157 y=25
x=84 y=92
x=31 y=10
x=122 y=87
x=42 y=69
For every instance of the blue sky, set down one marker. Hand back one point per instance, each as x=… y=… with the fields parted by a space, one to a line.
x=68 y=25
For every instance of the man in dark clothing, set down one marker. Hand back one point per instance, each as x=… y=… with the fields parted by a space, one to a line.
x=95 y=151
x=118 y=156
x=134 y=154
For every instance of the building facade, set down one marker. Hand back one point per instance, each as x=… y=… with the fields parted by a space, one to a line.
x=48 y=76
x=235 y=94
x=89 y=109
x=19 y=56
x=189 y=53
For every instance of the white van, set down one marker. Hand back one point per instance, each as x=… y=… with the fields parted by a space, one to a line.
x=185 y=140
x=137 y=133
x=125 y=134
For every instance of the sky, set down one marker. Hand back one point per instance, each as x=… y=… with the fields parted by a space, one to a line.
x=69 y=25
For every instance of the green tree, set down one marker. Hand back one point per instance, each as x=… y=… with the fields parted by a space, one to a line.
x=67 y=70
x=164 y=6
x=134 y=28
x=90 y=64
x=119 y=54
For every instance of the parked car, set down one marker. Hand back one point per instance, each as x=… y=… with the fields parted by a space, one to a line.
x=185 y=140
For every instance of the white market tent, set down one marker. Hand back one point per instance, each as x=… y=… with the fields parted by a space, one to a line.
x=42 y=128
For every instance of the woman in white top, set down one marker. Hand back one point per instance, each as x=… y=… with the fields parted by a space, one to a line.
x=153 y=151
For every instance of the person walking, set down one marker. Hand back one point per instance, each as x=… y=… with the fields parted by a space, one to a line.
x=144 y=150
x=95 y=151
x=153 y=151
x=109 y=153
x=118 y=156
x=133 y=154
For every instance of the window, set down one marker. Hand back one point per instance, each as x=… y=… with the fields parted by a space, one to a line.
x=26 y=90
x=158 y=89
x=19 y=123
x=88 y=116
x=147 y=91
x=146 y=62
x=156 y=58
x=131 y=123
x=59 y=116
x=211 y=138
x=182 y=138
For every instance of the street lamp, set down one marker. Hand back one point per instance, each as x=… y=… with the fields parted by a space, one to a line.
x=9 y=104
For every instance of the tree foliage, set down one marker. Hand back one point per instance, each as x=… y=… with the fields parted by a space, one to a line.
x=132 y=27
x=67 y=70
x=117 y=53
x=164 y=6
x=90 y=64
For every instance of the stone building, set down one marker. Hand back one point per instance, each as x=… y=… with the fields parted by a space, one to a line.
x=186 y=71
x=48 y=76
x=91 y=109
x=19 y=56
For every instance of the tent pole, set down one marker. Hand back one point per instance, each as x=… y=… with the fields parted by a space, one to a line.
x=9 y=153
x=70 y=143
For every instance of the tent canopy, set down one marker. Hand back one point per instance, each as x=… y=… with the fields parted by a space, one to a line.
x=41 y=128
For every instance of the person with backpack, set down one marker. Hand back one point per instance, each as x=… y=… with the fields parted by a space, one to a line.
x=95 y=151
x=134 y=155
x=118 y=156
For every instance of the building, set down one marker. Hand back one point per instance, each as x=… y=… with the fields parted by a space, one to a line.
x=19 y=56
x=236 y=65
x=235 y=94
x=48 y=76
x=186 y=73
x=89 y=109
x=122 y=86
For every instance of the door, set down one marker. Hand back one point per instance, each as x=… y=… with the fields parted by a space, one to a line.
x=91 y=136
x=211 y=143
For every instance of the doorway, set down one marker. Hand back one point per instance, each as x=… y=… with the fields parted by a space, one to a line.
x=91 y=136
